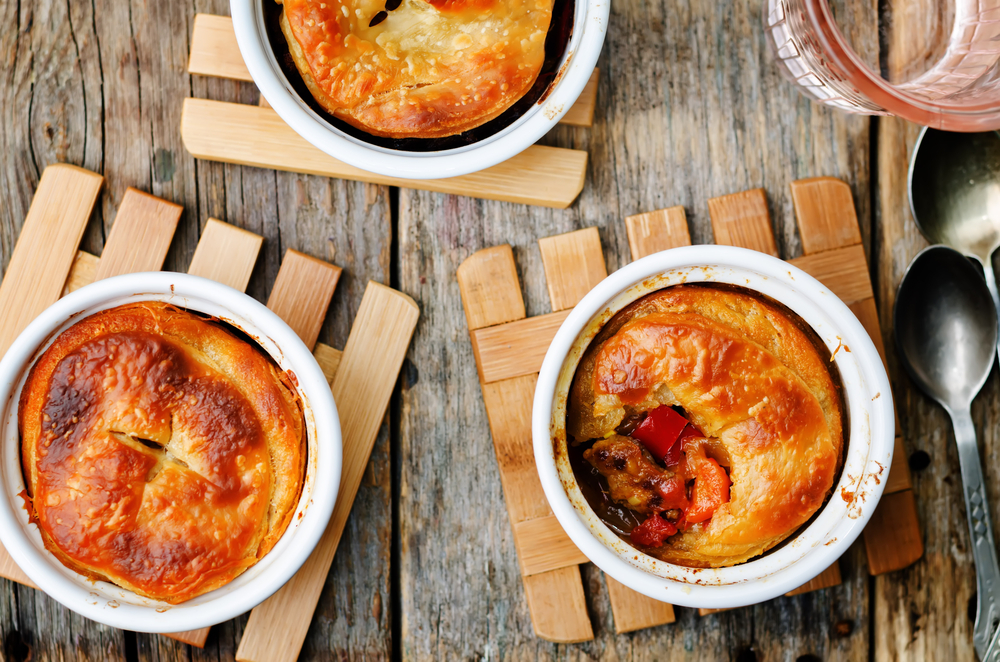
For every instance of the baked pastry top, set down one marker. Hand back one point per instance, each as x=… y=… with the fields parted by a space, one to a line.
x=161 y=452
x=761 y=404
x=417 y=68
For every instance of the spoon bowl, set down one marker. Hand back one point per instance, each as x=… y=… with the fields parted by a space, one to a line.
x=945 y=326
x=954 y=187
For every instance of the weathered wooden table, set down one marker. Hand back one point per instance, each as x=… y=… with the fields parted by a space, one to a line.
x=690 y=106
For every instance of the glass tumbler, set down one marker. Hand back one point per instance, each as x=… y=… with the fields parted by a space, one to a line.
x=936 y=62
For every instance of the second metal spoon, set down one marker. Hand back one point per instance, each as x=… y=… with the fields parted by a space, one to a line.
x=946 y=331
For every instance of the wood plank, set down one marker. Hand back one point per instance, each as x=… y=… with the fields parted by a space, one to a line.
x=581 y=113
x=657 y=231
x=226 y=254
x=215 y=52
x=47 y=246
x=644 y=612
x=542 y=545
x=490 y=288
x=574 y=265
x=551 y=597
x=826 y=579
x=825 y=212
x=844 y=271
x=140 y=237
x=516 y=348
x=362 y=387
x=254 y=136
x=742 y=219
x=302 y=293
x=921 y=613
x=892 y=537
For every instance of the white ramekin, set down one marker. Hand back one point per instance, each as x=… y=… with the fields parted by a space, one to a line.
x=117 y=607
x=589 y=27
x=868 y=453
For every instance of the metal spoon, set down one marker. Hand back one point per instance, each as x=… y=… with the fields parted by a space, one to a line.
x=946 y=331
x=954 y=187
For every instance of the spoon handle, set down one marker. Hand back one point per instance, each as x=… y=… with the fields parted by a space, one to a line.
x=984 y=551
x=991 y=283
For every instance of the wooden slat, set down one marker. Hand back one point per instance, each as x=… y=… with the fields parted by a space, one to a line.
x=826 y=579
x=515 y=348
x=361 y=388
x=825 y=212
x=40 y=264
x=742 y=219
x=302 y=293
x=226 y=254
x=215 y=52
x=581 y=113
x=508 y=408
x=900 y=477
x=254 y=136
x=543 y=546
x=828 y=224
x=574 y=264
x=843 y=270
x=892 y=538
x=657 y=231
x=491 y=290
x=140 y=236
x=644 y=612
x=554 y=599
x=491 y=294
x=83 y=272
x=328 y=359
x=47 y=247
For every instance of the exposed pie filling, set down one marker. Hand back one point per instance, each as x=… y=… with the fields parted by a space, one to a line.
x=705 y=424
x=417 y=68
x=161 y=452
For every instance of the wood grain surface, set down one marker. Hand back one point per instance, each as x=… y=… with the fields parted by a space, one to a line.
x=690 y=106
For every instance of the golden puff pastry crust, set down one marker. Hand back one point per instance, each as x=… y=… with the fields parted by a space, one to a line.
x=161 y=452
x=750 y=379
x=425 y=69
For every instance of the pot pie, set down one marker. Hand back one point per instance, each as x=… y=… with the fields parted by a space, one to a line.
x=161 y=452
x=706 y=426
x=416 y=68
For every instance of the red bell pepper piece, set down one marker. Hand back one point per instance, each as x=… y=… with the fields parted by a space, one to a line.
x=673 y=456
x=711 y=490
x=660 y=430
x=653 y=532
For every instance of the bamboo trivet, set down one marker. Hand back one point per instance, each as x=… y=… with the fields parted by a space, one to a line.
x=46 y=265
x=509 y=349
x=256 y=136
